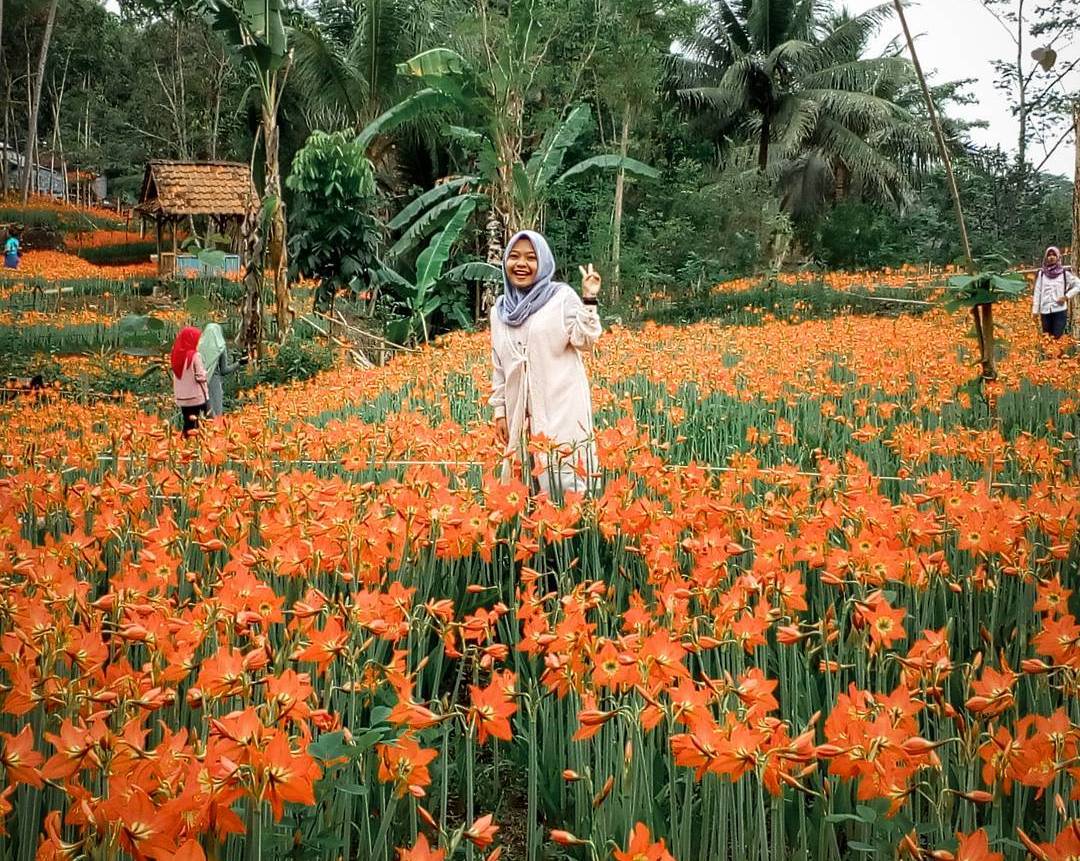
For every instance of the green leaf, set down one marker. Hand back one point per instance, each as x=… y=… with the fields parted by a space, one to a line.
x=380 y=714
x=133 y=323
x=370 y=737
x=961 y=282
x=461 y=316
x=523 y=189
x=429 y=199
x=861 y=847
x=433 y=258
x=866 y=813
x=469 y=137
x=842 y=817
x=426 y=223
x=331 y=746
x=210 y=259
x=400 y=331
x=610 y=162
x=475 y=271
x=403 y=112
x=387 y=277
x=546 y=162
x=1008 y=284
x=437 y=62
x=197 y=306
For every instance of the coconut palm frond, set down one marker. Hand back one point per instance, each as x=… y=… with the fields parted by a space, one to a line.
x=322 y=74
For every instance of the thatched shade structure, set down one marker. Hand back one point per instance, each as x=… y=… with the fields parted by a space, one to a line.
x=176 y=190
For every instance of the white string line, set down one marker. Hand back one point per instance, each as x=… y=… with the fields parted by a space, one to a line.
x=673 y=467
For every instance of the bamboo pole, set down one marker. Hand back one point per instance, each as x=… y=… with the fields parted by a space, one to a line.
x=982 y=314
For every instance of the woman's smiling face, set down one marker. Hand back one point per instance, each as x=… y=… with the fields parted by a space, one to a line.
x=522 y=264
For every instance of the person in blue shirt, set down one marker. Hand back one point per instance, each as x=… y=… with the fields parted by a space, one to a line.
x=11 y=251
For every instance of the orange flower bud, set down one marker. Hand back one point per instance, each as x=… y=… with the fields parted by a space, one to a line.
x=565 y=838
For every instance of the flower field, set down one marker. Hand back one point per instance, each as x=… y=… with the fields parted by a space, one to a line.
x=819 y=607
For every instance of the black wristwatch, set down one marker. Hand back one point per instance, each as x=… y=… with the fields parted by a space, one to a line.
x=590 y=300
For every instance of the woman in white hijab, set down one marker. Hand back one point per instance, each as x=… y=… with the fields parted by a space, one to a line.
x=215 y=357
x=540 y=328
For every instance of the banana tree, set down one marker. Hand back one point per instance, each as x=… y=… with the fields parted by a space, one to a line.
x=254 y=30
x=420 y=296
x=978 y=293
x=515 y=189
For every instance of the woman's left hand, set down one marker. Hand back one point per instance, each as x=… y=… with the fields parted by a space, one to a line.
x=590 y=281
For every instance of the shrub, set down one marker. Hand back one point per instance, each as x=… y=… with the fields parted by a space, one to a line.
x=334 y=235
x=296 y=359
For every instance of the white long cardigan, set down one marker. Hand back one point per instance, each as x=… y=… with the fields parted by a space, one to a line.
x=539 y=385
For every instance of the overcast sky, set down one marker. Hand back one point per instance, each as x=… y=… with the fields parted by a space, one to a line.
x=956 y=39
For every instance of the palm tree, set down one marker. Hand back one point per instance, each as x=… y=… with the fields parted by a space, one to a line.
x=345 y=57
x=795 y=79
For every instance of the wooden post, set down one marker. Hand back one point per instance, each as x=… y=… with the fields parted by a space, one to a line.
x=1074 y=304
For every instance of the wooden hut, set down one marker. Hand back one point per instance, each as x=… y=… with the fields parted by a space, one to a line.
x=174 y=191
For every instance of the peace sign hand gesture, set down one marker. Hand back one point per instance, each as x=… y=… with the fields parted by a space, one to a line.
x=590 y=281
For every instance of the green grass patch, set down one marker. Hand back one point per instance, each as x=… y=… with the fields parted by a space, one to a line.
x=810 y=301
x=122 y=254
x=58 y=220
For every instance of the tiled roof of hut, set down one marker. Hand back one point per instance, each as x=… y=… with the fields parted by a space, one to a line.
x=182 y=188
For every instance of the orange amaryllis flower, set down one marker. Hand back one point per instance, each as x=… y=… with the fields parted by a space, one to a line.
x=976 y=847
x=75 y=749
x=492 y=709
x=885 y=622
x=482 y=832
x=992 y=694
x=5 y=807
x=642 y=847
x=404 y=763
x=20 y=760
x=421 y=851
x=146 y=831
x=325 y=645
x=285 y=775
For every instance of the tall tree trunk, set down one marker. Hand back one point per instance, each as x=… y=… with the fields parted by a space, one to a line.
x=1075 y=304
x=251 y=335
x=2 y=64
x=763 y=143
x=508 y=137
x=1021 y=144
x=617 y=213
x=276 y=265
x=5 y=180
x=35 y=102
x=486 y=291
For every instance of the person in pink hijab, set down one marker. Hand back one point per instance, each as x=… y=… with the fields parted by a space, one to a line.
x=189 y=378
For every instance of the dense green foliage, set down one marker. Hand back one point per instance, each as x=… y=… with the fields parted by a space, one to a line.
x=778 y=138
x=335 y=234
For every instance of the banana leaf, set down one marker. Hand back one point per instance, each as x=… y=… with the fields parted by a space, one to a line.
x=610 y=162
x=429 y=199
x=475 y=271
x=547 y=160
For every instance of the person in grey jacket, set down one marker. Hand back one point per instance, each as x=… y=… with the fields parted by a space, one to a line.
x=215 y=356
